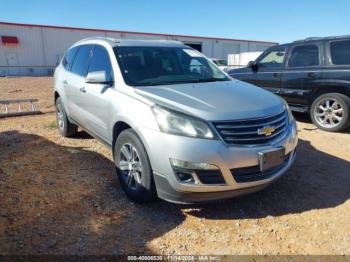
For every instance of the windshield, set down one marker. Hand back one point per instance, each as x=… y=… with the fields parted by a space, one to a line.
x=145 y=66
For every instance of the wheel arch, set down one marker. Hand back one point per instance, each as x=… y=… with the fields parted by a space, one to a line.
x=340 y=88
x=56 y=95
x=122 y=125
x=118 y=127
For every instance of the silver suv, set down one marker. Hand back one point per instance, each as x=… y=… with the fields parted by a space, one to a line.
x=179 y=127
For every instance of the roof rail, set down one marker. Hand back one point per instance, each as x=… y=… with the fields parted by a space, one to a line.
x=166 y=41
x=321 y=38
x=115 y=40
x=109 y=39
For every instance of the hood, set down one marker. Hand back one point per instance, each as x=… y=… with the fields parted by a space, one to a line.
x=226 y=100
x=232 y=72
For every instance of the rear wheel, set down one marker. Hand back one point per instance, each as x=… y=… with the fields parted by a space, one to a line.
x=66 y=128
x=133 y=168
x=330 y=112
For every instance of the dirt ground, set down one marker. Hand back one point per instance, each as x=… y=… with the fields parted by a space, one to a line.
x=61 y=196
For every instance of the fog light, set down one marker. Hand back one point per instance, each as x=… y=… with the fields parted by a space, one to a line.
x=192 y=165
x=185 y=177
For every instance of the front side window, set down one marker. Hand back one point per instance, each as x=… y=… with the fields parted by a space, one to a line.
x=340 y=52
x=100 y=62
x=143 y=66
x=273 y=59
x=81 y=60
x=69 y=57
x=306 y=55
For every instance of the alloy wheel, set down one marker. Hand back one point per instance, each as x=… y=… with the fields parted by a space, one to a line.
x=130 y=166
x=328 y=112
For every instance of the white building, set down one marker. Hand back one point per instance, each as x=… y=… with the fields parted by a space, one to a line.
x=27 y=49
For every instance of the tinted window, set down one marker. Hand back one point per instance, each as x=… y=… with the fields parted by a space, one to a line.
x=273 y=58
x=340 y=52
x=69 y=57
x=220 y=62
x=81 y=60
x=100 y=62
x=306 y=55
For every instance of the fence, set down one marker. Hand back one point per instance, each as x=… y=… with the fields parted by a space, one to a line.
x=26 y=70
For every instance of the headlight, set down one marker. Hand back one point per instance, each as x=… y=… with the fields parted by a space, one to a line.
x=180 y=124
x=290 y=115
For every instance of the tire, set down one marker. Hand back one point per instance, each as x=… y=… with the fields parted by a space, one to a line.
x=65 y=128
x=134 y=169
x=330 y=112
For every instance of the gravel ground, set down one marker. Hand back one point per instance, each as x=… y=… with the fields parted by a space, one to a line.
x=61 y=196
x=22 y=87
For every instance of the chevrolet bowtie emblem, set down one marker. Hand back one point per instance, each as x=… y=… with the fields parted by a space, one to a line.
x=266 y=130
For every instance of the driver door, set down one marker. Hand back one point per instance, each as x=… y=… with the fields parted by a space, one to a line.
x=268 y=70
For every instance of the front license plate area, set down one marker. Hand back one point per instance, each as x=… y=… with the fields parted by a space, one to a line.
x=271 y=158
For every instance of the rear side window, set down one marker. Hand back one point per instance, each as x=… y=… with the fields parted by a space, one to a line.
x=100 y=62
x=81 y=60
x=69 y=57
x=340 y=52
x=306 y=55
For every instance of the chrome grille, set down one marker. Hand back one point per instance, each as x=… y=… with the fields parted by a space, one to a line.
x=245 y=132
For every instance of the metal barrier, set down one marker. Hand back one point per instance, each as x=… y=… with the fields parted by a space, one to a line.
x=6 y=111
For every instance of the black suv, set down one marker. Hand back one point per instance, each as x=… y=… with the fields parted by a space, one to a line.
x=312 y=75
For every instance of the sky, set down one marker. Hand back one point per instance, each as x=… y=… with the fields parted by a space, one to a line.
x=270 y=20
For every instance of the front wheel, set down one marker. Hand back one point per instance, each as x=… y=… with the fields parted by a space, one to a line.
x=330 y=112
x=133 y=168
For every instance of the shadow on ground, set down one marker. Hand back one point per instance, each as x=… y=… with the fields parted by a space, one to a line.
x=67 y=200
x=302 y=117
x=317 y=180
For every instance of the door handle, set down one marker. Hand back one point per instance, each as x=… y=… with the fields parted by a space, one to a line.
x=312 y=75
x=65 y=82
x=82 y=89
x=276 y=74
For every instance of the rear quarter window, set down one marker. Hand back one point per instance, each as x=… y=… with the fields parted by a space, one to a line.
x=340 y=52
x=68 y=59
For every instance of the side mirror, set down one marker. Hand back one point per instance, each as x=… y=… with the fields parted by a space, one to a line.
x=98 y=77
x=253 y=65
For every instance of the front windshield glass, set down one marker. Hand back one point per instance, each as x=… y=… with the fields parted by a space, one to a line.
x=147 y=66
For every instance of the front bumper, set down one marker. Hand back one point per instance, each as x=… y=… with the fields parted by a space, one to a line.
x=161 y=147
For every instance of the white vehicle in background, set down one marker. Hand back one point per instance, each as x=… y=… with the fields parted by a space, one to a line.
x=241 y=60
x=221 y=63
